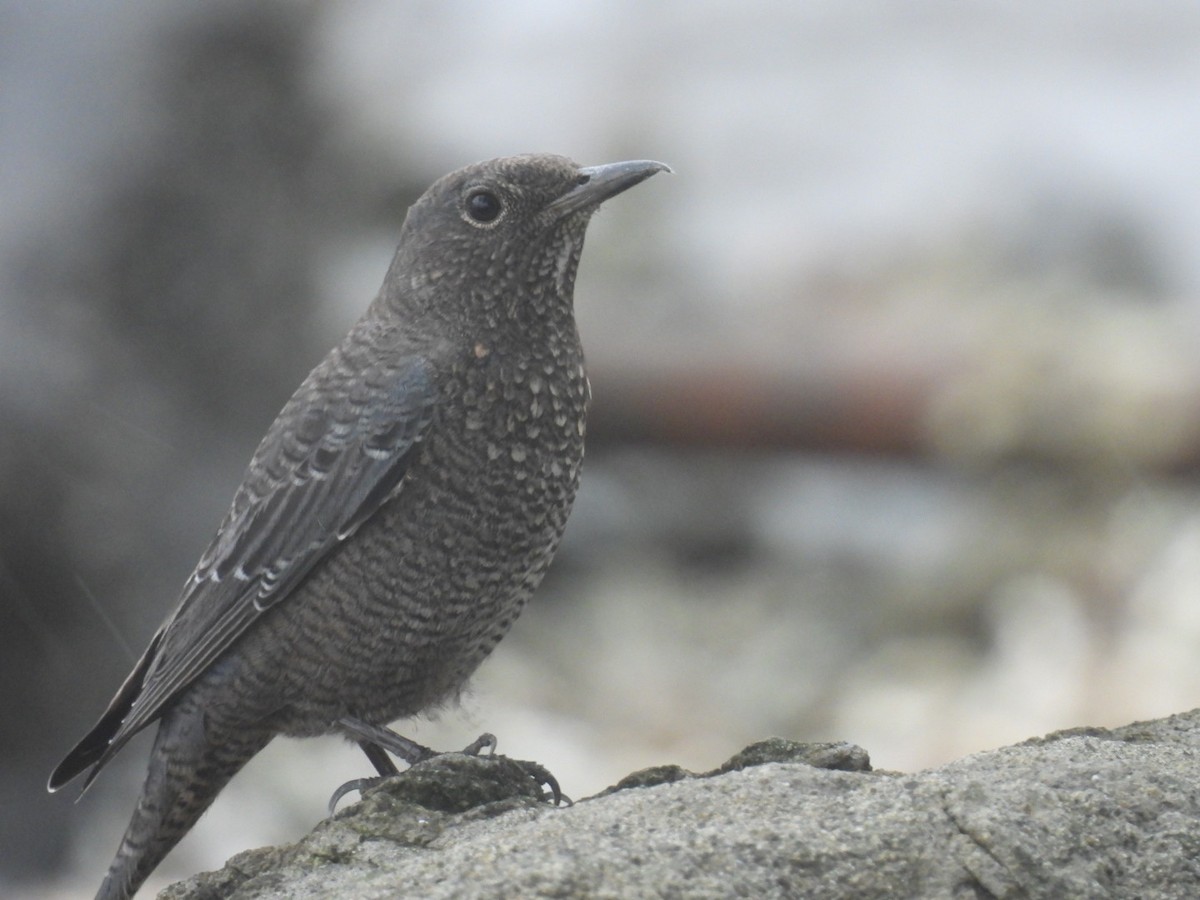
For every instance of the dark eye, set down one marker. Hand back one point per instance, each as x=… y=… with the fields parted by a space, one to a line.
x=484 y=206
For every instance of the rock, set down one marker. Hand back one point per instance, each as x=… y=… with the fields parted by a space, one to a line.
x=1080 y=813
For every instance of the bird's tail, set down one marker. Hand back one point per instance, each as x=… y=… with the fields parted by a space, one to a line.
x=188 y=768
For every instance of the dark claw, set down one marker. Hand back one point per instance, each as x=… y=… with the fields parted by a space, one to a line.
x=357 y=784
x=542 y=776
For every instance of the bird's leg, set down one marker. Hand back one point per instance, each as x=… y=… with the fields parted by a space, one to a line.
x=377 y=741
x=379 y=759
x=380 y=738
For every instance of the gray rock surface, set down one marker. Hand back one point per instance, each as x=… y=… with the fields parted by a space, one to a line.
x=1082 y=813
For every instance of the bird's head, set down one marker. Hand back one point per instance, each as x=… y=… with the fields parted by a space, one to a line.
x=502 y=238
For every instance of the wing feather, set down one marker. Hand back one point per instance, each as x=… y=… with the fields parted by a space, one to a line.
x=336 y=453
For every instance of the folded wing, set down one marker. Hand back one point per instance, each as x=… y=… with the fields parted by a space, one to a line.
x=336 y=453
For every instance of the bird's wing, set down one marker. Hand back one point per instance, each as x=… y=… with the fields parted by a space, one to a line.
x=323 y=469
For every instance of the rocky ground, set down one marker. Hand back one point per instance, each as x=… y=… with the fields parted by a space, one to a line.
x=1080 y=813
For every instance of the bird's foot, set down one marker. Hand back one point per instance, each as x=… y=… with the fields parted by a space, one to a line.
x=377 y=741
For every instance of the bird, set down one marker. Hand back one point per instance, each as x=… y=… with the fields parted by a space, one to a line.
x=397 y=515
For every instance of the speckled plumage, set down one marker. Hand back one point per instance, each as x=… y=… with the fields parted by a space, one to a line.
x=398 y=513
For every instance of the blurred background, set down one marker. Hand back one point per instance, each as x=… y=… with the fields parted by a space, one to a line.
x=897 y=401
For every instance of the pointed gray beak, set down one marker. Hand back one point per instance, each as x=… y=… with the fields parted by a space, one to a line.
x=597 y=183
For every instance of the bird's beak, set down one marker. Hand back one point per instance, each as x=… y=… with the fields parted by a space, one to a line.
x=597 y=183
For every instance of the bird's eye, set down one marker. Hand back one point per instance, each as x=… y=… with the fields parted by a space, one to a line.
x=484 y=207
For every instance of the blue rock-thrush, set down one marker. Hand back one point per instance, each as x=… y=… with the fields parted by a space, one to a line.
x=396 y=517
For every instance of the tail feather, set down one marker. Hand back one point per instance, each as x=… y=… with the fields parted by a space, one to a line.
x=99 y=745
x=188 y=768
